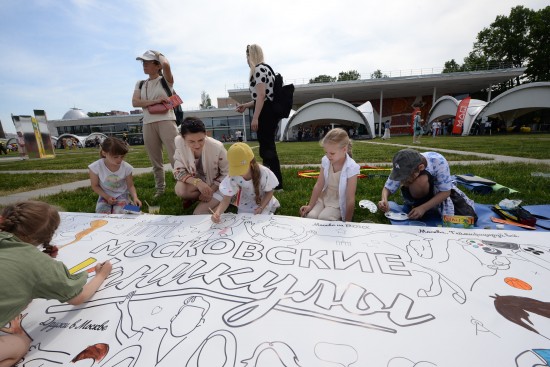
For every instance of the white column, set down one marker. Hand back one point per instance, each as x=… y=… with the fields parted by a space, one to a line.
x=434 y=95
x=380 y=114
x=244 y=128
x=489 y=95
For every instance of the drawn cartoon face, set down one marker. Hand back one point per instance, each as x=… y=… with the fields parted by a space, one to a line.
x=490 y=253
x=281 y=231
x=225 y=221
x=189 y=316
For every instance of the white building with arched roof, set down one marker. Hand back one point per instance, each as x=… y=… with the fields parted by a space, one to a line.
x=507 y=107
x=326 y=111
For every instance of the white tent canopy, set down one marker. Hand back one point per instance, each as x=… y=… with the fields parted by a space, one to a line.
x=82 y=139
x=326 y=111
x=518 y=101
x=284 y=123
x=508 y=106
x=367 y=111
x=446 y=106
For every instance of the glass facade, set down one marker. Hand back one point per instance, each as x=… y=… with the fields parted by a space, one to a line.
x=222 y=128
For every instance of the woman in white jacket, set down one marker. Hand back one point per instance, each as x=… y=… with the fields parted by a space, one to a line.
x=200 y=164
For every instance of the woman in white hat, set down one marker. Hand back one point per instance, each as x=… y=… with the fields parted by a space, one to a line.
x=159 y=128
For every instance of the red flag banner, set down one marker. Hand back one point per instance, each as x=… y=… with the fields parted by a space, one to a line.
x=460 y=115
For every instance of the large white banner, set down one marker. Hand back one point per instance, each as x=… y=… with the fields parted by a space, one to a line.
x=286 y=291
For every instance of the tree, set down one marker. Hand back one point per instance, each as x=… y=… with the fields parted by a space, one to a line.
x=378 y=75
x=507 y=40
x=539 y=67
x=322 y=79
x=96 y=114
x=521 y=39
x=205 y=101
x=349 y=75
x=451 y=66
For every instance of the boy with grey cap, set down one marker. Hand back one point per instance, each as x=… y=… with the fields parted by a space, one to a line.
x=426 y=185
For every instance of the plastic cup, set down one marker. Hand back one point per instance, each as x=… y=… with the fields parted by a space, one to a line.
x=154 y=209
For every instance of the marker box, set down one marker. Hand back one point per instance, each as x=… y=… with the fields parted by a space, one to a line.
x=132 y=209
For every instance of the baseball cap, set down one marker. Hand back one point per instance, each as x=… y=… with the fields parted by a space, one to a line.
x=148 y=56
x=404 y=163
x=239 y=156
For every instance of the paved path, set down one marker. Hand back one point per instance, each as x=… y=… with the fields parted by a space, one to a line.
x=34 y=194
x=492 y=158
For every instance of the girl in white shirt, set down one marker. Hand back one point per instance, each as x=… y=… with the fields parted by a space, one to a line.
x=111 y=178
x=249 y=184
x=333 y=196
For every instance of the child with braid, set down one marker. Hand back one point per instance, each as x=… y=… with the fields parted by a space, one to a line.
x=249 y=184
x=28 y=273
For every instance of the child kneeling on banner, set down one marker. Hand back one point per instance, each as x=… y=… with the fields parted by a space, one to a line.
x=111 y=178
x=333 y=196
x=28 y=273
x=249 y=185
x=426 y=185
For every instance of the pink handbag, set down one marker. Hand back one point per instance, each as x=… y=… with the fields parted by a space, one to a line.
x=162 y=107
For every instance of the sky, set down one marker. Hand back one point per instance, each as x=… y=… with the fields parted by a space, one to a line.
x=61 y=54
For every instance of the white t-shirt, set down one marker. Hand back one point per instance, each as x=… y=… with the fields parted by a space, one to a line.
x=113 y=183
x=150 y=90
x=246 y=199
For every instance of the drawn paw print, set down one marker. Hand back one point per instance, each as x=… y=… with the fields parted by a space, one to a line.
x=534 y=251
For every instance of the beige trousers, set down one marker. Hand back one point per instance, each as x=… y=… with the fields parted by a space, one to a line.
x=155 y=134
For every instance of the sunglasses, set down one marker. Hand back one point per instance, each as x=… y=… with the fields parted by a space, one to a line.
x=148 y=62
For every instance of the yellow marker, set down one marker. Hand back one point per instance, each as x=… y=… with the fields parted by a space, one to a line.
x=89 y=261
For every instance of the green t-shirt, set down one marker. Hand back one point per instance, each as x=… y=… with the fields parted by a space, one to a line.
x=26 y=273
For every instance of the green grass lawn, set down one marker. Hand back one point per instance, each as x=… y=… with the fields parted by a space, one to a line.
x=533 y=189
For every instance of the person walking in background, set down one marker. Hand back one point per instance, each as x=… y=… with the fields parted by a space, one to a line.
x=435 y=128
x=264 y=122
x=160 y=128
x=111 y=178
x=486 y=125
x=21 y=145
x=386 y=130
x=426 y=185
x=417 y=128
x=249 y=184
x=3 y=148
x=200 y=166
x=333 y=196
x=28 y=274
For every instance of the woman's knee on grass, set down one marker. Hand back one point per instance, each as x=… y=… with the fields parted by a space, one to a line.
x=186 y=191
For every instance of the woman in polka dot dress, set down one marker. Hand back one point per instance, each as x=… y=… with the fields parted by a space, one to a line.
x=264 y=121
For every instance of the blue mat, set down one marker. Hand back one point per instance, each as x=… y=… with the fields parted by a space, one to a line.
x=484 y=214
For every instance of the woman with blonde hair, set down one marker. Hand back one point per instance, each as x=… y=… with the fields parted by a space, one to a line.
x=264 y=121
